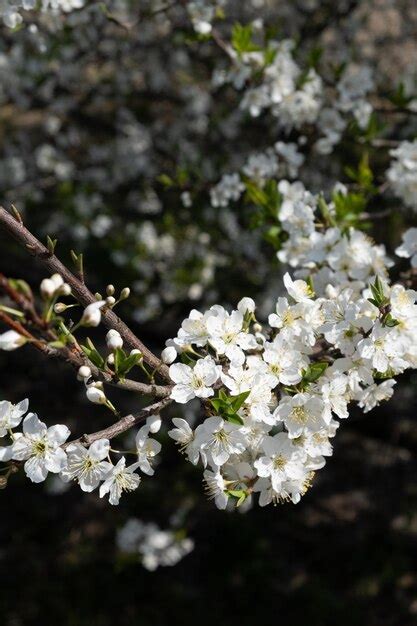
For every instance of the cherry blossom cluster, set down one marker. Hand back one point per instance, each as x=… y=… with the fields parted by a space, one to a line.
x=272 y=395
x=342 y=257
x=155 y=547
x=44 y=450
x=293 y=94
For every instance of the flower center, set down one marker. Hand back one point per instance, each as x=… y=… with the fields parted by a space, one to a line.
x=300 y=415
x=279 y=462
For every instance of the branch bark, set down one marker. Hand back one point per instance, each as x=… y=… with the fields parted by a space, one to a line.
x=122 y=425
x=25 y=238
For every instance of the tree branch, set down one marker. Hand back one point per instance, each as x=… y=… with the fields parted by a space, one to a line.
x=122 y=425
x=25 y=238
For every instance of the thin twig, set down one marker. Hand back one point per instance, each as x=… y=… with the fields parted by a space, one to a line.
x=122 y=425
x=25 y=238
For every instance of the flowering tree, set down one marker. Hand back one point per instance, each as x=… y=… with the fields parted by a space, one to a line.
x=307 y=153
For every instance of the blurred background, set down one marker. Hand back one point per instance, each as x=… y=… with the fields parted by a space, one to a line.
x=100 y=111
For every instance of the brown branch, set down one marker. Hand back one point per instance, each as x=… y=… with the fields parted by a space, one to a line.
x=25 y=238
x=21 y=330
x=122 y=425
x=23 y=302
x=77 y=359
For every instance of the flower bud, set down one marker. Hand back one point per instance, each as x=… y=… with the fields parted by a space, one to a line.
x=60 y=307
x=257 y=328
x=114 y=340
x=11 y=340
x=168 y=355
x=154 y=423
x=95 y=395
x=65 y=290
x=57 y=280
x=3 y=482
x=246 y=305
x=110 y=290
x=47 y=288
x=84 y=372
x=110 y=300
x=135 y=351
x=92 y=314
x=110 y=359
x=125 y=293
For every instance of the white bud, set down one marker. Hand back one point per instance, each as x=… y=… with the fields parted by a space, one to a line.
x=125 y=293
x=110 y=290
x=257 y=328
x=110 y=359
x=114 y=340
x=47 y=288
x=11 y=340
x=65 y=290
x=168 y=355
x=95 y=395
x=154 y=422
x=246 y=305
x=60 y=307
x=135 y=351
x=84 y=372
x=110 y=300
x=92 y=314
x=57 y=280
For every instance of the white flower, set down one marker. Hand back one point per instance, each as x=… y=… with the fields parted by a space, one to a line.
x=40 y=448
x=11 y=415
x=334 y=395
x=183 y=435
x=299 y=290
x=302 y=413
x=373 y=395
x=282 y=461
x=380 y=348
x=120 y=478
x=227 y=337
x=92 y=314
x=402 y=301
x=220 y=439
x=193 y=382
x=146 y=449
x=284 y=365
x=216 y=488
x=87 y=465
x=11 y=340
x=408 y=248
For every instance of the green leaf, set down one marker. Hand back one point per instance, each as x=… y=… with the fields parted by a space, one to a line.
x=242 y=39
x=238 y=401
x=314 y=371
x=93 y=355
x=399 y=97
